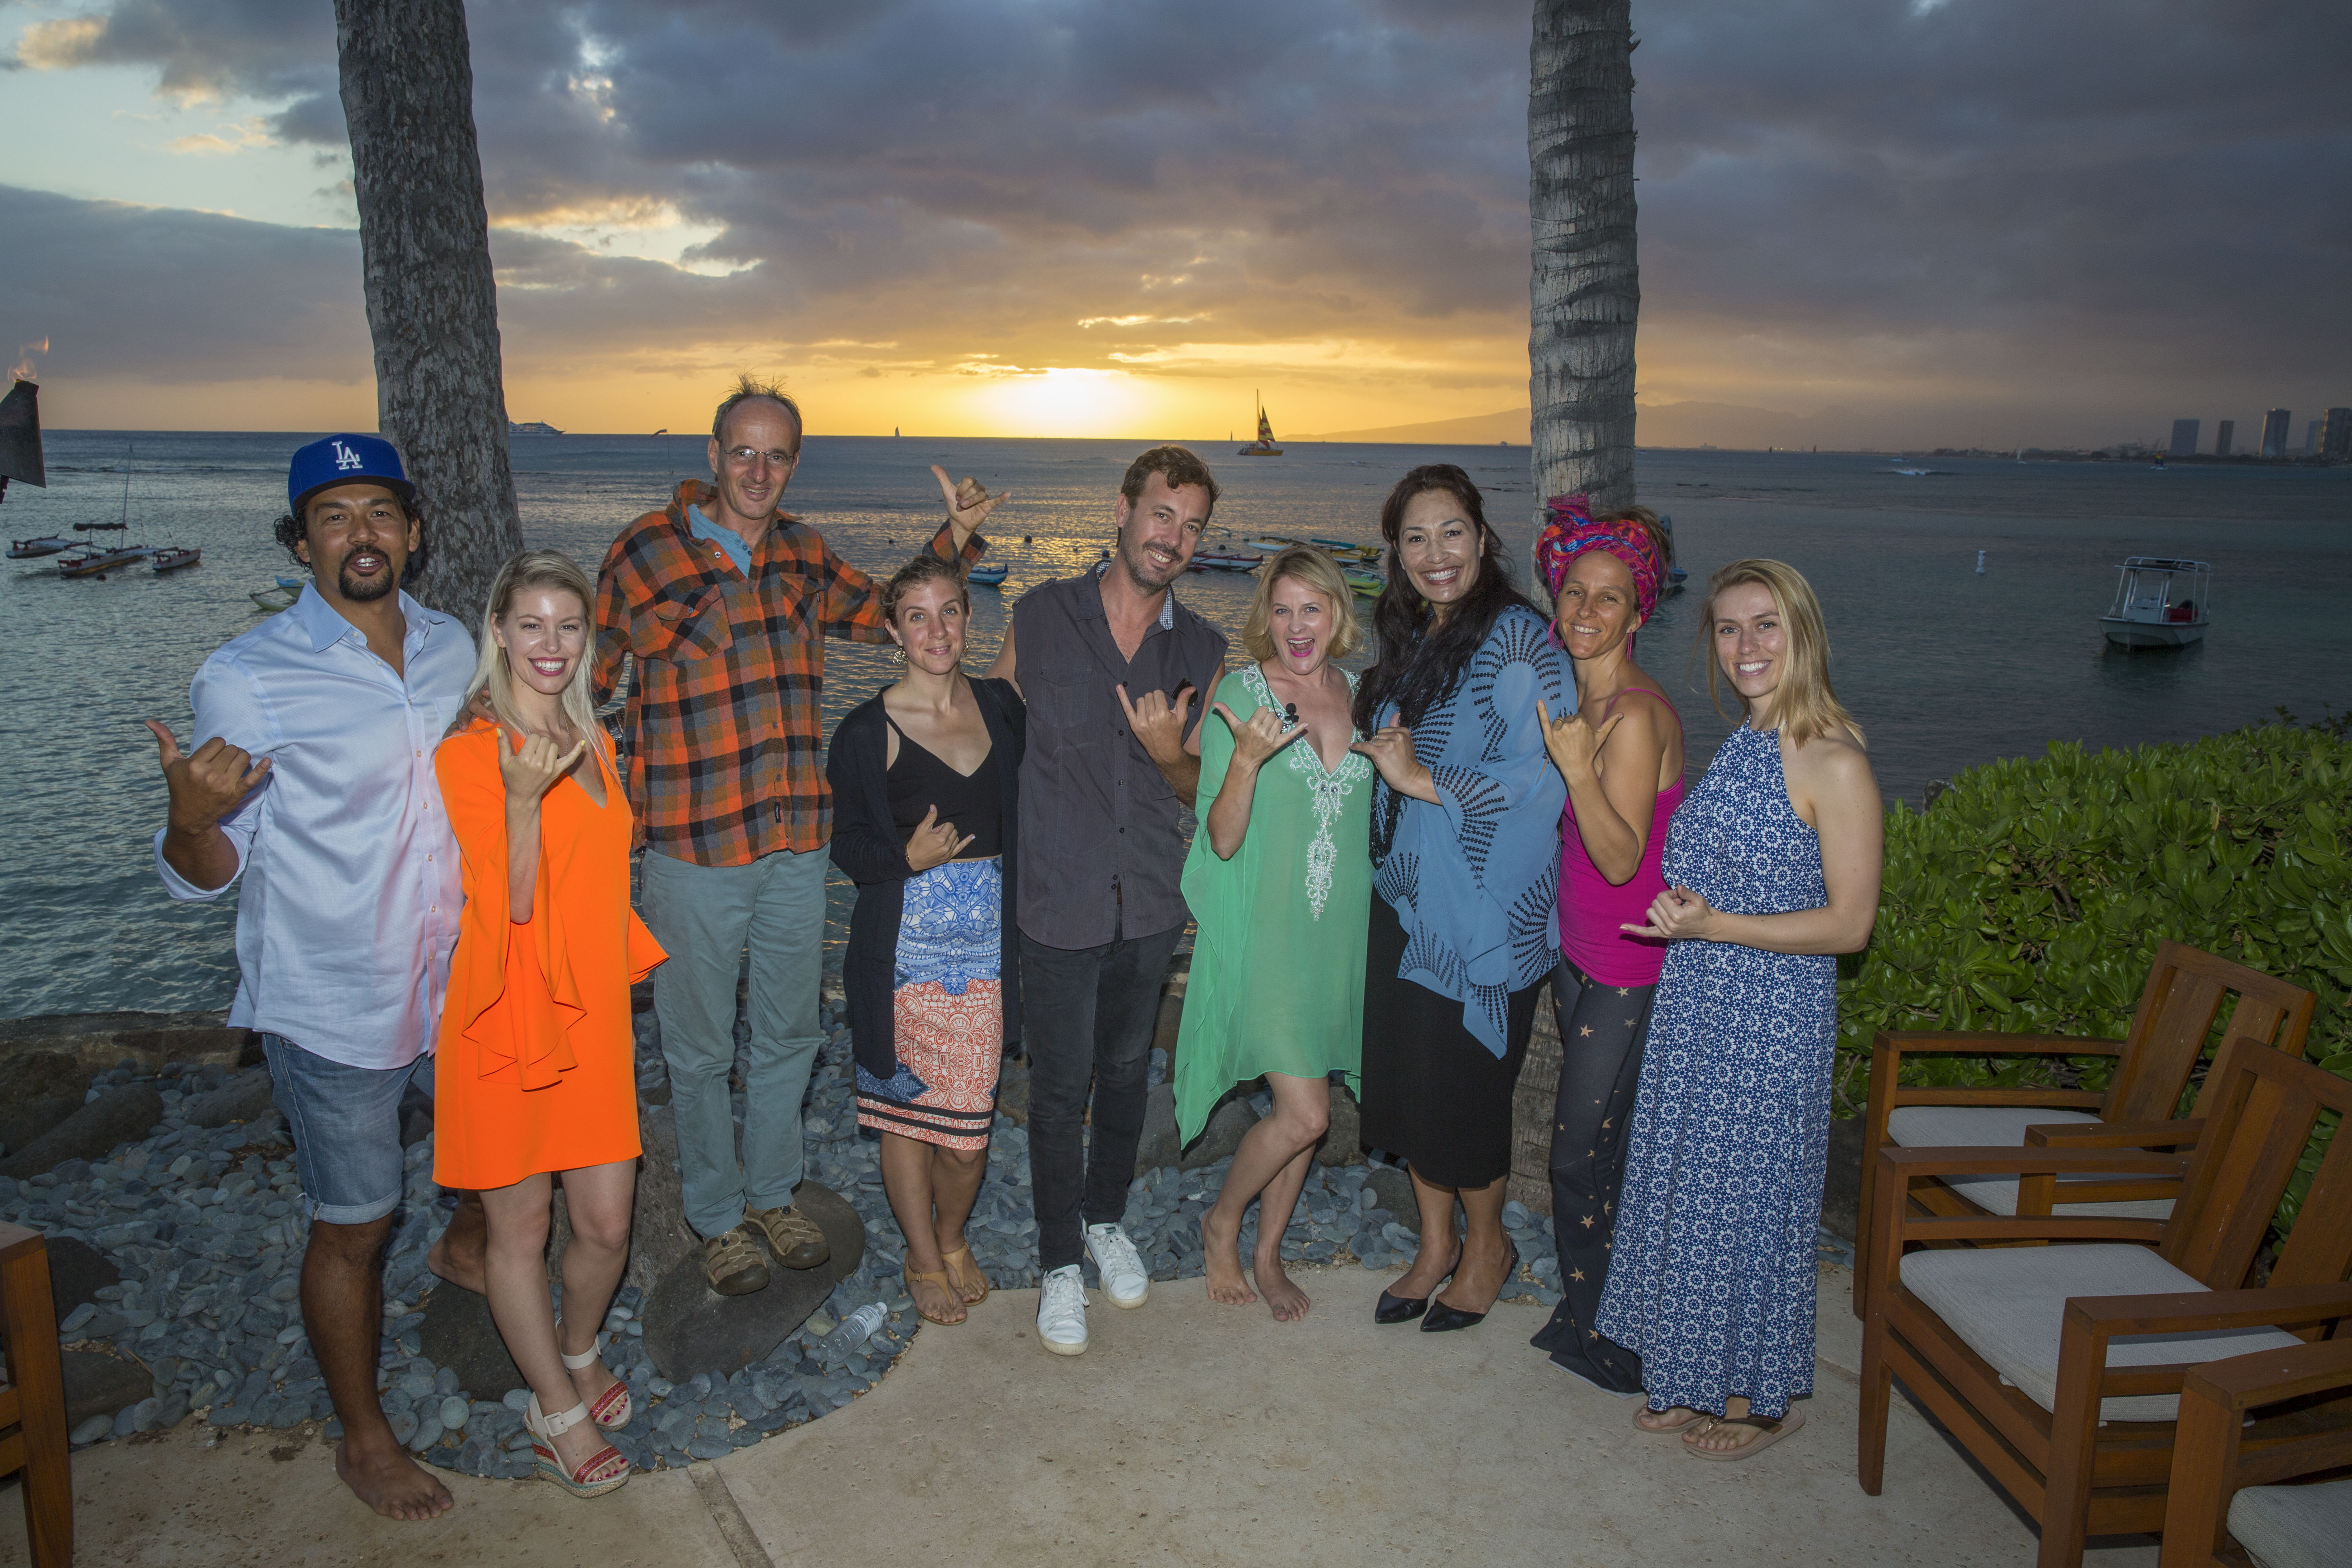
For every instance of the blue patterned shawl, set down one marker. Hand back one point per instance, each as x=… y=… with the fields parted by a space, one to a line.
x=1473 y=881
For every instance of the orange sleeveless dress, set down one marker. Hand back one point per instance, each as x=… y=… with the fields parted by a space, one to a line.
x=534 y=1065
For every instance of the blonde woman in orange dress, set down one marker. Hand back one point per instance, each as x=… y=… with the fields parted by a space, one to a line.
x=535 y=1073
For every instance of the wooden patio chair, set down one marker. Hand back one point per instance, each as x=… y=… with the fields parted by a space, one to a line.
x=2059 y=1367
x=2226 y=1509
x=33 y=1400
x=2184 y=993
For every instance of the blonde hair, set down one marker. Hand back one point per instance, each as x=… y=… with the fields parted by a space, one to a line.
x=494 y=673
x=1303 y=563
x=1803 y=704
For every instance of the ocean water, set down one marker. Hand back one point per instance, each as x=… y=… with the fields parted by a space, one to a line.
x=1944 y=667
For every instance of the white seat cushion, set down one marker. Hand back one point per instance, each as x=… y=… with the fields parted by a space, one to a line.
x=2003 y=1126
x=2294 y=1526
x=2008 y=1305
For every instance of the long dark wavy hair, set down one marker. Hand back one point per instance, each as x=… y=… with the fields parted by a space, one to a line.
x=1415 y=665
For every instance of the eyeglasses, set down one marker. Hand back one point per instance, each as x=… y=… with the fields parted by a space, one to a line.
x=744 y=457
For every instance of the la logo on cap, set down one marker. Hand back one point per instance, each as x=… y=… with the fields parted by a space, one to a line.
x=345 y=459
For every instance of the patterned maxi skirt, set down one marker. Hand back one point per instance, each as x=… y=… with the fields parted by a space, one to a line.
x=949 y=1031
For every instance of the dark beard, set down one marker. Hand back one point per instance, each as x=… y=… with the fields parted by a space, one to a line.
x=1134 y=565
x=362 y=591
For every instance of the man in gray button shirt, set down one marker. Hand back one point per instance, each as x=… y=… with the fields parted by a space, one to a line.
x=1117 y=676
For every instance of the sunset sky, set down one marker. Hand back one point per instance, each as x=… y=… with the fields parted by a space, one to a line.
x=1891 y=221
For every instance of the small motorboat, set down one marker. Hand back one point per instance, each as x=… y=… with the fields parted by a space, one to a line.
x=1273 y=544
x=176 y=558
x=1226 y=560
x=2160 y=603
x=1366 y=581
x=1348 y=549
x=275 y=599
x=293 y=583
x=30 y=549
x=987 y=576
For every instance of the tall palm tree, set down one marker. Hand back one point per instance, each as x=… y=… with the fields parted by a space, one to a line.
x=1586 y=289
x=432 y=309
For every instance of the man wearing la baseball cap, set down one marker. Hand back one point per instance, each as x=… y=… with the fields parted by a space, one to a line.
x=315 y=774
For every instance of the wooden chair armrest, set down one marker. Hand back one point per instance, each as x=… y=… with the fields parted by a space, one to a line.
x=1990 y=1044
x=2185 y=1311
x=2116 y=1134
x=2241 y=1382
x=1900 y=1164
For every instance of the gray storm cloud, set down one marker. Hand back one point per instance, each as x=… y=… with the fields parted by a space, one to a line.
x=1968 y=210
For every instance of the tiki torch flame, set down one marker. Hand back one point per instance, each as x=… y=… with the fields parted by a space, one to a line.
x=24 y=369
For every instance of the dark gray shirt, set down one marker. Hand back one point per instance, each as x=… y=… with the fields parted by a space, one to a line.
x=1101 y=847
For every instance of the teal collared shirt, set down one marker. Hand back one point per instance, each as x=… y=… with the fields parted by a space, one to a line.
x=727 y=538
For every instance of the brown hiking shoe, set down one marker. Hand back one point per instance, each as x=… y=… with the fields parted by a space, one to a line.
x=733 y=1263
x=791 y=1236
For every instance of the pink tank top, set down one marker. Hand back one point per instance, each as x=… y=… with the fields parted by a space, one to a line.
x=1591 y=907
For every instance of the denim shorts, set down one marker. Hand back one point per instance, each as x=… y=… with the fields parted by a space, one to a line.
x=346 y=1126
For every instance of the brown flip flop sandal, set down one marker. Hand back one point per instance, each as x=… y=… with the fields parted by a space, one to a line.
x=975 y=1271
x=937 y=1277
x=1772 y=1431
x=1680 y=1426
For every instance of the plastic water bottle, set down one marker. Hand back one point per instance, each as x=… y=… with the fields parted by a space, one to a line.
x=850 y=1332
x=1980 y=555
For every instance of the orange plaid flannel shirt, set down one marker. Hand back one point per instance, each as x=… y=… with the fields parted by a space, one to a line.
x=725 y=725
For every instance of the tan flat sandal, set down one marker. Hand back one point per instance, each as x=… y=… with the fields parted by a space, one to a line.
x=937 y=1277
x=967 y=1275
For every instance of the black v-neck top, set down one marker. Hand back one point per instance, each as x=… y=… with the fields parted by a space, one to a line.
x=918 y=781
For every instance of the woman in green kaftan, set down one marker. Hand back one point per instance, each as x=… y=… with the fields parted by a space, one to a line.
x=1280 y=882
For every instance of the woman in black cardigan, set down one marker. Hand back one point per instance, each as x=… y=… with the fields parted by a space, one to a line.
x=925 y=795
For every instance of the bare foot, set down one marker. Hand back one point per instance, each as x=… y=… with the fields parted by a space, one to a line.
x=935 y=1302
x=1430 y=1267
x=1672 y=1418
x=1220 y=1242
x=1288 y=1301
x=391 y=1483
x=964 y=1271
x=457 y=1254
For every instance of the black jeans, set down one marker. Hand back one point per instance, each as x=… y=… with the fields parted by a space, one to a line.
x=1601 y=1030
x=1089 y=1015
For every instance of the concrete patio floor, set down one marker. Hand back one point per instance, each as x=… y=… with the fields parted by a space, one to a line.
x=1189 y=1434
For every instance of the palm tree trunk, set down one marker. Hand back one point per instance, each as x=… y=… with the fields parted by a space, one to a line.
x=432 y=304
x=1587 y=288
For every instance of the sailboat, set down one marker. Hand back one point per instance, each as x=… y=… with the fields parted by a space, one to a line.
x=1263 y=446
x=96 y=560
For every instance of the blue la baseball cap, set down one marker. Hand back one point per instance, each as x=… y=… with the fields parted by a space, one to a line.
x=342 y=460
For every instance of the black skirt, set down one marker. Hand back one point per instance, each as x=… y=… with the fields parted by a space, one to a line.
x=1433 y=1094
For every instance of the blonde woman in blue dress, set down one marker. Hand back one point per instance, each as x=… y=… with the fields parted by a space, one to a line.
x=1280 y=882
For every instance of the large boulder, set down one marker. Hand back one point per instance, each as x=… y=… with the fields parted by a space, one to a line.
x=244 y=1097
x=118 y=1116
x=1343 y=1141
x=1395 y=1190
x=1160 y=1145
x=100 y=1380
x=77 y=1270
x=37 y=1090
x=458 y=1332
x=1223 y=1135
x=690 y=1328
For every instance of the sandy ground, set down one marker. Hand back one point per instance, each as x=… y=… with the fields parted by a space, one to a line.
x=1189 y=1434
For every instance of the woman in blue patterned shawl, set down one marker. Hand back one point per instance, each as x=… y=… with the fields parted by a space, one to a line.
x=1466 y=836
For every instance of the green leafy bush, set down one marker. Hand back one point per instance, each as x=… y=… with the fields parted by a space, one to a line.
x=2029 y=898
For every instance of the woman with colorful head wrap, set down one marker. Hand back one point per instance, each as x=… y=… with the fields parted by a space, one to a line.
x=1622 y=753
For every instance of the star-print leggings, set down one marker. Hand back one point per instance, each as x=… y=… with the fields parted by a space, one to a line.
x=1602 y=1028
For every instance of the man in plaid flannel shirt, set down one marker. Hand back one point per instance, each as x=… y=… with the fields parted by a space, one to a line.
x=724 y=600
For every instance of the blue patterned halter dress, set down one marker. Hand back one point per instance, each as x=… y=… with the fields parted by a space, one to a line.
x=1711 y=1280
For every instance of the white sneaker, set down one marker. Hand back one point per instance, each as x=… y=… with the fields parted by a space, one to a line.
x=1062 y=1312
x=1124 y=1278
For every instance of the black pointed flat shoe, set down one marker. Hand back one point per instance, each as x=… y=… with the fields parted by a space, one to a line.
x=1405 y=1309
x=1440 y=1318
